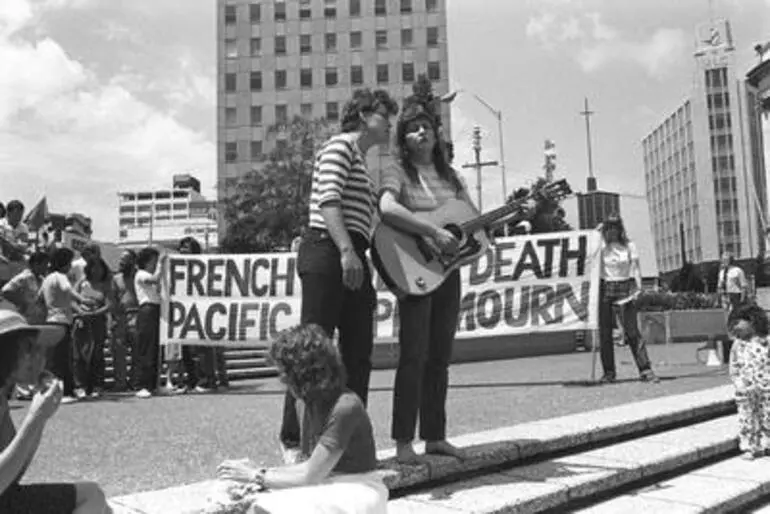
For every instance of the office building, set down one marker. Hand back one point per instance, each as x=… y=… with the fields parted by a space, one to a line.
x=699 y=177
x=164 y=217
x=280 y=59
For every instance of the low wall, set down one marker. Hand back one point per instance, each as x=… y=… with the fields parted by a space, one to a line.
x=385 y=355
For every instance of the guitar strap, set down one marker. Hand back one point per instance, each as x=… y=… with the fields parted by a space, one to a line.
x=428 y=191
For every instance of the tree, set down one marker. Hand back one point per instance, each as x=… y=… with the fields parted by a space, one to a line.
x=549 y=215
x=267 y=207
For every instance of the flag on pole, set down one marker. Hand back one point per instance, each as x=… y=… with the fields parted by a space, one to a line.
x=36 y=217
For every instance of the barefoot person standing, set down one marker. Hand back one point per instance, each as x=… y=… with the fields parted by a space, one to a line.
x=337 y=290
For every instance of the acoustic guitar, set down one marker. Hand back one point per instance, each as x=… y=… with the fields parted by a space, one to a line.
x=410 y=264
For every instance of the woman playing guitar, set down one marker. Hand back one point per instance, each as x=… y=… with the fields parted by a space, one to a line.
x=422 y=181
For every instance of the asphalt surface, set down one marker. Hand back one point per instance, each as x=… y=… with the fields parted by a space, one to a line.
x=130 y=445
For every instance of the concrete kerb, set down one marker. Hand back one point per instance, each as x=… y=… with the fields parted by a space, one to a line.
x=508 y=445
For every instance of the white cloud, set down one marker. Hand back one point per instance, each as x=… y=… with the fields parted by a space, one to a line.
x=77 y=138
x=593 y=43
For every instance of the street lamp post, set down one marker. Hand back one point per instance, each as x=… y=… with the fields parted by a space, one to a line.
x=499 y=116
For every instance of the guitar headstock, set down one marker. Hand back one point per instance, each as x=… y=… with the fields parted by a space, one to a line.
x=553 y=191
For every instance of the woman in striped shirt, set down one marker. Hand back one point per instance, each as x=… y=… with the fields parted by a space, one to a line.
x=337 y=290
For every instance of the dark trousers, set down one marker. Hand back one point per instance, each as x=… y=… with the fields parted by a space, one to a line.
x=198 y=362
x=630 y=331
x=60 y=360
x=88 y=337
x=326 y=302
x=427 y=327
x=147 y=346
x=733 y=301
x=123 y=344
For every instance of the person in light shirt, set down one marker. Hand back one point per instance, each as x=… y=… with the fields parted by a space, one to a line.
x=733 y=289
x=14 y=232
x=621 y=281
x=149 y=266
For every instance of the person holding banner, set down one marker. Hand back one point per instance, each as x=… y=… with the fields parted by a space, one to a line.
x=423 y=181
x=621 y=284
x=149 y=265
x=338 y=473
x=337 y=289
x=123 y=331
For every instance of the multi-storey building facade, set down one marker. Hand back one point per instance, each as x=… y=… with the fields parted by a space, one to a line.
x=281 y=58
x=163 y=217
x=700 y=180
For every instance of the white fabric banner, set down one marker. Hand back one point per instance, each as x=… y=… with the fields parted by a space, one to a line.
x=541 y=283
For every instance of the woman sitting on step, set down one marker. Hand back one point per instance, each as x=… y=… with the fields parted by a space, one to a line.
x=337 y=471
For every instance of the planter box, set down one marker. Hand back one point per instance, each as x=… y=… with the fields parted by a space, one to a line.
x=683 y=326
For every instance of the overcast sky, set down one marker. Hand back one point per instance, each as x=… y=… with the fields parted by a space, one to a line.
x=98 y=96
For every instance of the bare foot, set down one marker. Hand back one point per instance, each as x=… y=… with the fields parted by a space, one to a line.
x=405 y=454
x=445 y=448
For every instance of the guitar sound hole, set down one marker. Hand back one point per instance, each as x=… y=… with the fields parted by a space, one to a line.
x=455 y=231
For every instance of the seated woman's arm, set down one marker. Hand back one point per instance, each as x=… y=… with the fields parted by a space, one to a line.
x=19 y=451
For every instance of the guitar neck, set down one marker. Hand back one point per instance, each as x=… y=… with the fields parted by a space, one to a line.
x=488 y=219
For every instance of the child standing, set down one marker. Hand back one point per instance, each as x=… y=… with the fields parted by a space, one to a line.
x=750 y=374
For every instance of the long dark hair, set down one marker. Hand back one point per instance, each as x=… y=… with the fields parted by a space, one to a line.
x=439 y=157
x=615 y=221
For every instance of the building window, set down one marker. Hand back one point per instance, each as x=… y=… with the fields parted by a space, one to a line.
x=332 y=111
x=381 y=39
x=330 y=13
x=230 y=82
x=356 y=75
x=255 y=47
x=407 y=37
x=255 y=13
x=305 y=44
x=382 y=74
x=431 y=5
x=231 y=151
x=306 y=78
x=380 y=8
x=231 y=116
x=305 y=10
x=434 y=71
x=280 y=11
x=256 y=150
x=230 y=15
x=331 y=42
x=331 y=76
x=280 y=45
x=306 y=110
x=231 y=48
x=432 y=36
x=406 y=6
x=355 y=8
x=407 y=72
x=256 y=115
x=280 y=79
x=281 y=113
x=255 y=81
x=355 y=40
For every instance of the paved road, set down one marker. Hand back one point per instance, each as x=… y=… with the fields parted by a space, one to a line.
x=131 y=445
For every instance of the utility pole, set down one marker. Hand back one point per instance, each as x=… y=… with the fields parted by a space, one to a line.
x=591 y=182
x=549 y=151
x=478 y=165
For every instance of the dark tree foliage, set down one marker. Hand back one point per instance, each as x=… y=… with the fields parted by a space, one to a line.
x=266 y=208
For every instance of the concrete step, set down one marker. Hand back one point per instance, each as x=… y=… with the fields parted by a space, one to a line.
x=251 y=373
x=727 y=486
x=259 y=362
x=552 y=484
x=529 y=444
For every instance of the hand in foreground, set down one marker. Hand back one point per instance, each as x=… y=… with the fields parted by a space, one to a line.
x=46 y=401
x=242 y=470
x=446 y=241
x=352 y=269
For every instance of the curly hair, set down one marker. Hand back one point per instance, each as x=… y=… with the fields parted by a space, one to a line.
x=753 y=314
x=365 y=101
x=309 y=363
x=145 y=256
x=191 y=243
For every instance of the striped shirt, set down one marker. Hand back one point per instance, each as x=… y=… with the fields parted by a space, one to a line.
x=428 y=193
x=340 y=176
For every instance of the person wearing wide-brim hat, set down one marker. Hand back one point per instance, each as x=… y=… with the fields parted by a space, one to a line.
x=22 y=360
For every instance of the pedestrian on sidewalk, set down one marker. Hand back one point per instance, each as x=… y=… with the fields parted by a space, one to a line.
x=22 y=360
x=733 y=291
x=621 y=284
x=750 y=374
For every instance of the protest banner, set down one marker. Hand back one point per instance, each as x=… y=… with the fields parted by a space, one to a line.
x=525 y=284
